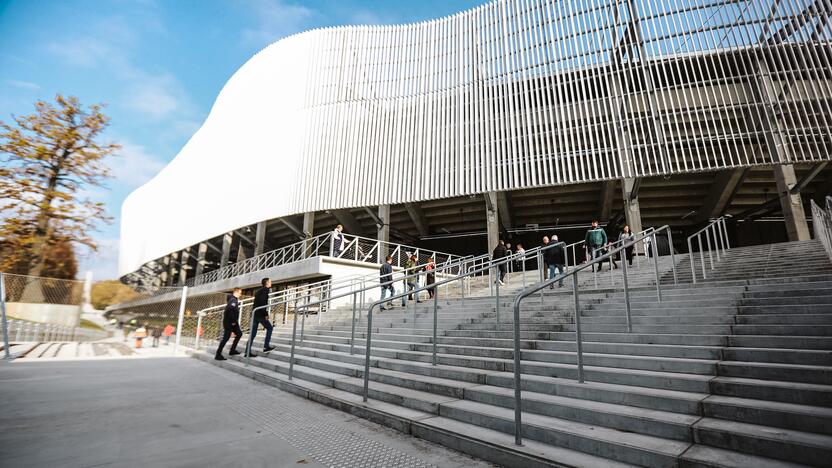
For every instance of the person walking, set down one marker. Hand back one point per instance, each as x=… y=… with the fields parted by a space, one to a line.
x=556 y=259
x=625 y=237
x=385 y=279
x=519 y=264
x=338 y=241
x=261 y=316
x=230 y=324
x=168 y=332
x=156 y=333
x=498 y=254
x=430 y=277
x=411 y=281
x=509 y=253
x=595 y=240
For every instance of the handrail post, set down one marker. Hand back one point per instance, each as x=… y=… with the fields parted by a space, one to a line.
x=303 y=320
x=497 y=283
x=518 y=399
x=578 y=344
x=714 y=230
x=435 y=321
x=250 y=340
x=710 y=250
x=672 y=255
x=701 y=254
x=612 y=280
x=725 y=232
x=656 y=264
x=294 y=334
x=367 y=353
x=7 y=354
x=352 y=331
x=541 y=267
x=627 y=295
x=691 y=258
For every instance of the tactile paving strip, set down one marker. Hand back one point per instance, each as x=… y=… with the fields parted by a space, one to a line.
x=330 y=444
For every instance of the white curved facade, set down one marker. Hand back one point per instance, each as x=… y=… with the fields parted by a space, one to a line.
x=511 y=95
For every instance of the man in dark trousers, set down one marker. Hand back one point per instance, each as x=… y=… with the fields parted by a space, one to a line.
x=385 y=278
x=498 y=254
x=230 y=324
x=555 y=260
x=261 y=316
x=595 y=239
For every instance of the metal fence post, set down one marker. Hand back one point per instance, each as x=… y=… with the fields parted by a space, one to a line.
x=250 y=340
x=518 y=398
x=578 y=344
x=497 y=283
x=725 y=231
x=368 y=346
x=435 y=320
x=672 y=256
x=294 y=333
x=181 y=318
x=701 y=255
x=691 y=257
x=627 y=294
x=352 y=332
x=710 y=250
x=655 y=249
x=6 y=352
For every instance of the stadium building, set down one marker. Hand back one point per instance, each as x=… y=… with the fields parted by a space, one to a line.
x=516 y=119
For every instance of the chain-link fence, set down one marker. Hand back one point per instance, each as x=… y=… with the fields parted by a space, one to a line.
x=36 y=290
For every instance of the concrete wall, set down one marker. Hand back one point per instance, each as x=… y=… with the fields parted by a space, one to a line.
x=69 y=315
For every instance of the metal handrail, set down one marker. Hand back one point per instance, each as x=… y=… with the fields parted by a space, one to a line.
x=822 y=224
x=719 y=231
x=578 y=344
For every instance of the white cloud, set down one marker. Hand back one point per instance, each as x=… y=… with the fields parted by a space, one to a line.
x=133 y=165
x=276 y=19
x=156 y=97
x=83 y=52
x=23 y=85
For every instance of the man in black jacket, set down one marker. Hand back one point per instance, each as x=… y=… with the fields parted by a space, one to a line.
x=261 y=316
x=555 y=259
x=230 y=324
x=500 y=253
x=385 y=279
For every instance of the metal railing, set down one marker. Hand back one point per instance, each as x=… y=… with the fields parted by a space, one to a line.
x=616 y=244
x=518 y=299
x=822 y=224
x=22 y=330
x=716 y=230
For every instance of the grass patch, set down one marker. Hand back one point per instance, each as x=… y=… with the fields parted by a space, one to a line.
x=90 y=325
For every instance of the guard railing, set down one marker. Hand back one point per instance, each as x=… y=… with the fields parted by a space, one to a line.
x=715 y=230
x=518 y=299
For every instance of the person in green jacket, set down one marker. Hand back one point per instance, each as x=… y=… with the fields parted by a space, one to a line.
x=595 y=239
x=410 y=268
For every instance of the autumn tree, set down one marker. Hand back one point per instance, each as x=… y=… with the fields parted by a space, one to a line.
x=48 y=160
x=105 y=293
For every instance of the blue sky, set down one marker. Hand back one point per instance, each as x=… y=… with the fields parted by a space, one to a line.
x=158 y=65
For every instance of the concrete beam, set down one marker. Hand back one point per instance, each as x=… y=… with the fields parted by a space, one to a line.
x=632 y=211
x=293 y=227
x=260 y=238
x=185 y=257
x=808 y=177
x=492 y=221
x=607 y=196
x=308 y=230
x=226 y=248
x=202 y=250
x=722 y=192
x=791 y=203
x=383 y=231
x=418 y=218
x=351 y=225
x=504 y=210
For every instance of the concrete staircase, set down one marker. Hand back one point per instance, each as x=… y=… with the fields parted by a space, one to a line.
x=734 y=371
x=68 y=349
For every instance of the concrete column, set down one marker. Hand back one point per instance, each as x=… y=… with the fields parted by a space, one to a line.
x=632 y=212
x=242 y=254
x=792 y=204
x=226 y=248
x=308 y=230
x=163 y=278
x=172 y=269
x=492 y=220
x=184 y=258
x=260 y=238
x=202 y=250
x=384 y=231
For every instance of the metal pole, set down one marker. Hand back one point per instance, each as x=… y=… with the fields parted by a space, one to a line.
x=713 y=230
x=250 y=340
x=701 y=255
x=352 y=332
x=578 y=344
x=690 y=257
x=710 y=250
x=181 y=318
x=626 y=293
x=672 y=256
x=367 y=353
x=725 y=229
x=435 y=320
x=19 y=326
x=303 y=323
x=198 y=326
x=294 y=333
x=518 y=399
x=612 y=280
x=497 y=309
x=656 y=263
x=7 y=353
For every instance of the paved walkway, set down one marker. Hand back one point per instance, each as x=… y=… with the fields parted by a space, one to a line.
x=179 y=412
